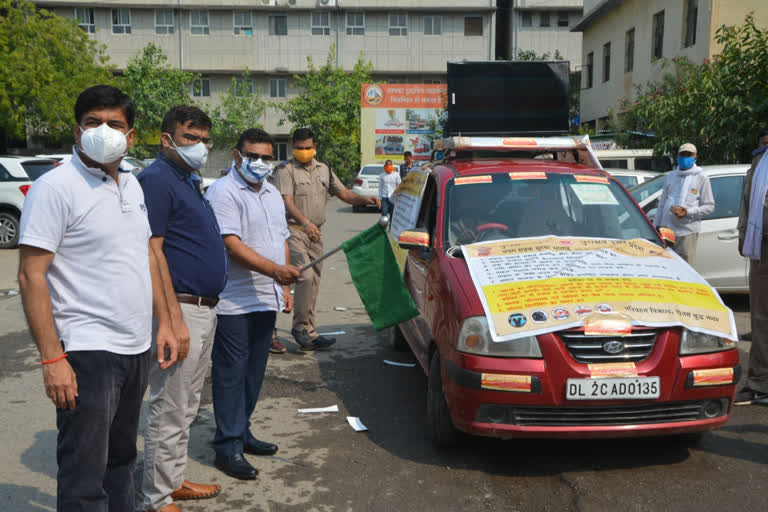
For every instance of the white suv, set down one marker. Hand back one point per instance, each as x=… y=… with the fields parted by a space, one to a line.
x=16 y=176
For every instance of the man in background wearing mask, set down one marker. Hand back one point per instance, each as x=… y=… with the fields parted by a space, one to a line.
x=305 y=185
x=407 y=165
x=89 y=282
x=753 y=244
x=252 y=219
x=193 y=268
x=685 y=199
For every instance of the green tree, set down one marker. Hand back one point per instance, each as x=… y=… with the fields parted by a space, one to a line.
x=46 y=61
x=719 y=105
x=155 y=87
x=240 y=107
x=329 y=102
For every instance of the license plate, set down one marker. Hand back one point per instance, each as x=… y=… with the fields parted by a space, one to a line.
x=373 y=185
x=635 y=388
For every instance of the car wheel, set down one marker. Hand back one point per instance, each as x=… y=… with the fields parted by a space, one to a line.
x=398 y=340
x=9 y=230
x=440 y=429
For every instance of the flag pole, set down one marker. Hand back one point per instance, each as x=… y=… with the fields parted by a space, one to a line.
x=383 y=221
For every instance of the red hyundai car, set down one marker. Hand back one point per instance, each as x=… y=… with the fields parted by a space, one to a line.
x=452 y=342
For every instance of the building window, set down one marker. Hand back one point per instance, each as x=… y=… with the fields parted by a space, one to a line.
x=590 y=66
x=164 y=23
x=241 y=23
x=433 y=25
x=398 y=24
x=85 y=20
x=355 y=24
x=321 y=24
x=243 y=86
x=544 y=19
x=281 y=151
x=277 y=87
x=121 y=21
x=198 y=22
x=629 y=50
x=278 y=25
x=432 y=81
x=606 y=62
x=201 y=87
x=473 y=25
x=657 y=50
x=692 y=12
x=562 y=19
x=398 y=80
x=526 y=20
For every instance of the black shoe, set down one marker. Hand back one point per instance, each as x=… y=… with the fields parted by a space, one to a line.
x=256 y=447
x=748 y=396
x=307 y=343
x=236 y=466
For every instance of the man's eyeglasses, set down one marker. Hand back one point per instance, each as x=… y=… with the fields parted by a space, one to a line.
x=194 y=139
x=256 y=156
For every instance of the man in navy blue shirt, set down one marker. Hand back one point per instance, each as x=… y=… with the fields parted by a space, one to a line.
x=193 y=268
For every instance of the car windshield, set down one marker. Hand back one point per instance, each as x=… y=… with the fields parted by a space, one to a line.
x=372 y=170
x=36 y=168
x=495 y=207
x=647 y=188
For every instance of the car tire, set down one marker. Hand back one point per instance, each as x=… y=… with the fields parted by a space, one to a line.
x=398 y=340
x=440 y=429
x=9 y=230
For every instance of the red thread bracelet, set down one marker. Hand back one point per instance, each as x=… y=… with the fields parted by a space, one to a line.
x=62 y=356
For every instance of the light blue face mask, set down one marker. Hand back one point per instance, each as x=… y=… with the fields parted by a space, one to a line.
x=685 y=162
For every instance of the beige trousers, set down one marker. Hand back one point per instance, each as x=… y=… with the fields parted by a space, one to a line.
x=757 y=375
x=305 y=291
x=174 y=398
x=685 y=246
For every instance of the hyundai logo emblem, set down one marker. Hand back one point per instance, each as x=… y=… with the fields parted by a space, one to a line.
x=613 y=347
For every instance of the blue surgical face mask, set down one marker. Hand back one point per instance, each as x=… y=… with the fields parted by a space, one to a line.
x=685 y=162
x=253 y=171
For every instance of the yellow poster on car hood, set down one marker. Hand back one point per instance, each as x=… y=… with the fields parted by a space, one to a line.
x=534 y=286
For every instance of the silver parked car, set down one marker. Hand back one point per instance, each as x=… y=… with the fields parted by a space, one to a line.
x=717 y=251
x=631 y=177
x=367 y=182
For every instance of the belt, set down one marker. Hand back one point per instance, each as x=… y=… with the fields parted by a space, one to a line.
x=194 y=299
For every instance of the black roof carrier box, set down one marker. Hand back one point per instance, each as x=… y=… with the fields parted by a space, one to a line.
x=506 y=98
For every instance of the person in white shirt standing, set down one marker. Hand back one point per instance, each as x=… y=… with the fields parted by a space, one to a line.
x=685 y=199
x=89 y=282
x=388 y=182
x=251 y=215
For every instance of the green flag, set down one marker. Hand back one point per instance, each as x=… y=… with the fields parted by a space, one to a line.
x=378 y=279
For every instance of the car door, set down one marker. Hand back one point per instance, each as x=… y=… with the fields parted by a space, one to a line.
x=417 y=268
x=717 y=251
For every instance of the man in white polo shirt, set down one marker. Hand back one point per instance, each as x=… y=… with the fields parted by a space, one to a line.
x=88 y=283
x=251 y=215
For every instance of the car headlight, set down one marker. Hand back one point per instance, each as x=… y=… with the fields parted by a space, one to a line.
x=692 y=342
x=475 y=338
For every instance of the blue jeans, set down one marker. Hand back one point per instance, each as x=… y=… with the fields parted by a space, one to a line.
x=96 y=446
x=240 y=353
x=387 y=206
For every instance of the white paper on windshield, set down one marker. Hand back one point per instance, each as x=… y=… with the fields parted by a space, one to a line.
x=356 y=424
x=331 y=408
x=407 y=200
x=593 y=193
x=532 y=286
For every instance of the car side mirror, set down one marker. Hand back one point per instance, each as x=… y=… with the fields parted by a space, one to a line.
x=667 y=235
x=416 y=239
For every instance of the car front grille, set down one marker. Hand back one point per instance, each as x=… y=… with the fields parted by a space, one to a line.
x=592 y=349
x=596 y=416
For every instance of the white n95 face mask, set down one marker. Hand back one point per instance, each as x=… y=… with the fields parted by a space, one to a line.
x=103 y=144
x=195 y=155
x=253 y=171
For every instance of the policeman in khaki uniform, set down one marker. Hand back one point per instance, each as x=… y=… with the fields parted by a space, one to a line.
x=305 y=185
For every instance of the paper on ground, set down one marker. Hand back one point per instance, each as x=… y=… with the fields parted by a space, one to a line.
x=334 y=333
x=395 y=363
x=332 y=408
x=356 y=424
